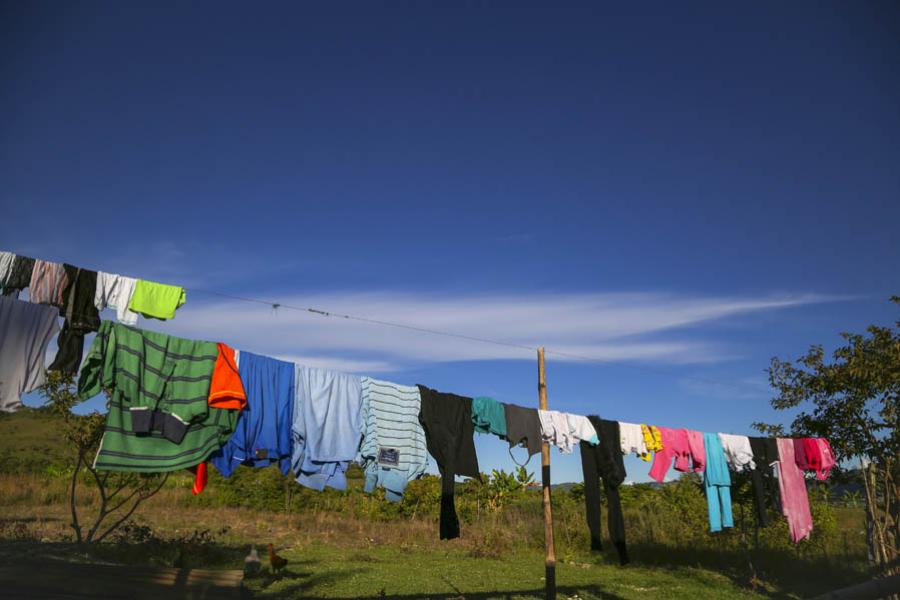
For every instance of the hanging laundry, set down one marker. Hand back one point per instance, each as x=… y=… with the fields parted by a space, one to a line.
x=156 y=300
x=794 y=498
x=226 y=390
x=717 y=483
x=449 y=436
x=676 y=444
x=581 y=429
x=26 y=329
x=262 y=436
x=698 y=450
x=6 y=263
x=604 y=460
x=115 y=291
x=201 y=477
x=631 y=440
x=738 y=452
x=81 y=317
x=523 y=428
x=327 y=426
x=48 y=281
x=765 y=487
x=555 y=430
x=488 y=416
x=393 y=450
x=814 y=454
x=19 y=276
x=652 y=438
x=159 y=418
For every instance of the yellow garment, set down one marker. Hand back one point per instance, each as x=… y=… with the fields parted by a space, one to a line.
x=652 y=439
x=156 y=300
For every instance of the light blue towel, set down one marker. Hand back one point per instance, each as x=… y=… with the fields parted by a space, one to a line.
x=327 y=427
x=393 y=449
x=717 y=482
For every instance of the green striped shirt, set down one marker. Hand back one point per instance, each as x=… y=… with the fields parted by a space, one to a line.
x=153 y=371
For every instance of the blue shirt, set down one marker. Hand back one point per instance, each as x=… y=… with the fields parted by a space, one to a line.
x=263 y=433
x=393 y=450
x=326 y=427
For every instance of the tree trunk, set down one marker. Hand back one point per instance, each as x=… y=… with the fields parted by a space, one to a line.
x=881 y=517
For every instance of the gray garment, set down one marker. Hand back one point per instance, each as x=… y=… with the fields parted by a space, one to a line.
x=25 y=331
x=523 y=427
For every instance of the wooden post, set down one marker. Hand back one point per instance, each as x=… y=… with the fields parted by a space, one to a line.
x=549 y=554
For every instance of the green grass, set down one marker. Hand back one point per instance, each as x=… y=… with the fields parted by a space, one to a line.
x=31 y=442
x=319 y=571
x=354 y=545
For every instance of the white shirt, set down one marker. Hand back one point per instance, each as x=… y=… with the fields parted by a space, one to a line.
x=738 y=452
x=115 y=291
x=555 y=430
x=631 y=439
x=582 y=429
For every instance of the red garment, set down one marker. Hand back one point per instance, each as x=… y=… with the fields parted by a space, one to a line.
x=814 y=454
x=200 y=477
x=676 y=444
x=225 y=387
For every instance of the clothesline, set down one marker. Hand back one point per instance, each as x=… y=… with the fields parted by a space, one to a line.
x=165 y=412
x=477 y=339
x=329 y=313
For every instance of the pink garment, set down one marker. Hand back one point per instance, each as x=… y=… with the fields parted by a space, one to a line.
x=794 y=500
x=698 y=451
x=824 y=459
x=676 y=444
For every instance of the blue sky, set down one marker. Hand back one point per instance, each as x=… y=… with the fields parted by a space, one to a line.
x=682 y=191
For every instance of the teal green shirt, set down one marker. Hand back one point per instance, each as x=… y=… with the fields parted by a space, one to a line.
x=489 y=416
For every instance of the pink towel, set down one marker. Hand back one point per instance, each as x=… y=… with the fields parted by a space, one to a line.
x=794 y=500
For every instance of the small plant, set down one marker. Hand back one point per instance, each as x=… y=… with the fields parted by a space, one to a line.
x=120 y=493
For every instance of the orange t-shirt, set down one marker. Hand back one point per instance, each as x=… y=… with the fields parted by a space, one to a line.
x=225 y=388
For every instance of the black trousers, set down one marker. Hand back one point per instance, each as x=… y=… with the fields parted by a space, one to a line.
x=449 y=435
x=82 y=317
x=70 y=344
x=604 y=461
x=765 y=487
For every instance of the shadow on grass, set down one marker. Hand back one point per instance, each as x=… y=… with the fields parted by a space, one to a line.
x=584 y=591
x=753 y=569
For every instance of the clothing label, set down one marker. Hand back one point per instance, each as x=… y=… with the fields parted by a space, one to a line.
x=389 y=456
x=262 y=453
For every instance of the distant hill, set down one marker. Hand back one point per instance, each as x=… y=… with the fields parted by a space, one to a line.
x=31 y=441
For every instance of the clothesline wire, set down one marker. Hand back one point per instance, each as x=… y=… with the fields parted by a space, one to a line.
x=327 y=313
x=333 y=314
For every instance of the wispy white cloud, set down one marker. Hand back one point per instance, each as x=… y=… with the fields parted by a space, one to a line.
x=648 y=327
